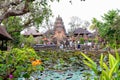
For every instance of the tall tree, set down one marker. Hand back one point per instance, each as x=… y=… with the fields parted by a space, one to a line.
x=37 y=9
x=32 y=11
x=85 y=24
x=47 y=25
x=14 y=27
x=96 y=25
x=75 y=23
x=19 y=14
x=108 y=28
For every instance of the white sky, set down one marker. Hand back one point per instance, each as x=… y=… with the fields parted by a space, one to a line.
x=85 y=10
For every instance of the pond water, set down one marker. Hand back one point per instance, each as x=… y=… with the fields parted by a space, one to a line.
x=63 y=75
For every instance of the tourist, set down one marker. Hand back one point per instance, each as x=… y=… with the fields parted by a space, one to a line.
x=61 y=46
x=71 y=44
x=67 y=44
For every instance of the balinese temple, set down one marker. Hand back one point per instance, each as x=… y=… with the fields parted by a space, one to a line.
x=59 y=30
x=4 y=37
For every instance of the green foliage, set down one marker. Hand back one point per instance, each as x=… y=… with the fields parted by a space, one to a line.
x=110 y=16
x=17 y=62
x=108 y=28
x=38 y=11
x=90 y=63
x=41 y=41
x=14 y=27
x=60 y=60
x=27 y=41
x=109 y=70
x=82 y=41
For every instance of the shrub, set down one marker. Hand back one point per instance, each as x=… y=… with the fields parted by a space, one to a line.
x=15 y=62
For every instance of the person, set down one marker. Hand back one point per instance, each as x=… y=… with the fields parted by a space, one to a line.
x=71 y=44
x=48 y=43
x=61 y=46
x=67 y=43
x=78 y=46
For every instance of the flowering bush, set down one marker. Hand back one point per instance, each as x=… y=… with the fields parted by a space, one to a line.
x=15 y=62
x=36 y=62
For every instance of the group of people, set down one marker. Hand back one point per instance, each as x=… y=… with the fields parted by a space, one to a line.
x=71 y=43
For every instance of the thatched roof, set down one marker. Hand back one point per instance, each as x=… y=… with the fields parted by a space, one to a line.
x=33 y=32
x=81 y=31
x=3 y=34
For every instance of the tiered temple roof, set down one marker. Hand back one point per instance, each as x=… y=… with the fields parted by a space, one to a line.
x=59 y=24
x=59 y=29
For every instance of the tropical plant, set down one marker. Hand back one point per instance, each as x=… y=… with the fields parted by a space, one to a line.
x=106 y=70
x=108 y=28
x=17 y=62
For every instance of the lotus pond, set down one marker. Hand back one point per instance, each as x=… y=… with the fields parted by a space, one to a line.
x=63 y=75
x=68 y=65
x=59 y=65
